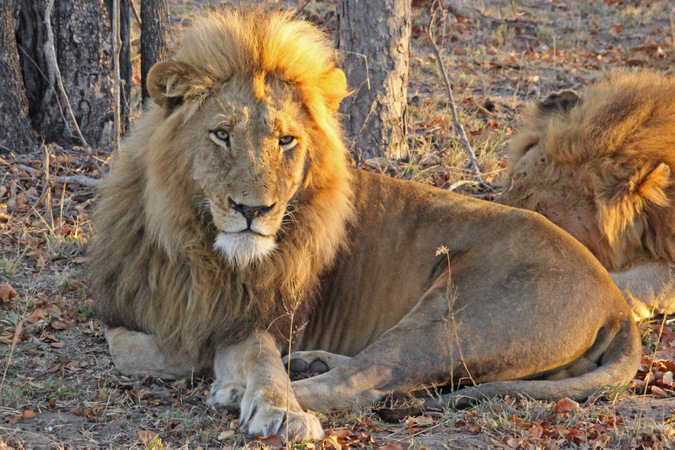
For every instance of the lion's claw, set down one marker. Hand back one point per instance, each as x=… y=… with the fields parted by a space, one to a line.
x=226 y=395
x=260 y=419
x=302 y=426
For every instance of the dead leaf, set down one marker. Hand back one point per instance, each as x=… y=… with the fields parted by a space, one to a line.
x=271 y=441
x=225 y=435
x=27 y=413
x=423 y=421
x=331 y=442
x=494 y=442
x=53 y=309
x=513 y=442
x=566 y=405
x=7 y=292
x=535 y=431
x=146 y=436
x=616 y=29
x=57 y=344
x=36 y=315
x=659 y=392
x=58 y=325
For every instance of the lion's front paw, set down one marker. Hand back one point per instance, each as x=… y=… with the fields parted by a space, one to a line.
x=226 y=395
x=259 y=418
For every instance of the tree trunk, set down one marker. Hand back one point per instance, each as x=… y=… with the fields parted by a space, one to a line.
x=15 y=130
x=126 y=69
x=154 y=26
x=376 y=113
x=83 y=47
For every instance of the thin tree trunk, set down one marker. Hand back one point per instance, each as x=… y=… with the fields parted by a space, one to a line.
x=126 y=69
x=374 y=36
x=117 y=46
x=15 y=128
x=154 y=26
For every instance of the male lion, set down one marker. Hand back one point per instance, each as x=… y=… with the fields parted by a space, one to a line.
x=602 y=167
x=230 y=216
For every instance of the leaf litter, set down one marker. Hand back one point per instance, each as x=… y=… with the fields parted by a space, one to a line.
x=59 y=387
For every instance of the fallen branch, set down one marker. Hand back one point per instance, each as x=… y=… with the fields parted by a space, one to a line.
x=463 y=11
x=82 y=180
x=50 y=52
x=451 y=103
x=467 y=12
x=78 y=179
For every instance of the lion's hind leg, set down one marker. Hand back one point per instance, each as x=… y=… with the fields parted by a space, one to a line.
x=304 y=364
x=138 y=354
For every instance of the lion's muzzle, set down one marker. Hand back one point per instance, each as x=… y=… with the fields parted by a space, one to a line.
x=250 y=212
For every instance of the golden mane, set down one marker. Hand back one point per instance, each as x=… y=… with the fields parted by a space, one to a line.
x=152 y=262
x=618 y=139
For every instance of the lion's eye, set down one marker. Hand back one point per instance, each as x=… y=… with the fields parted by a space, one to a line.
x=220 y=137
x=287 y=142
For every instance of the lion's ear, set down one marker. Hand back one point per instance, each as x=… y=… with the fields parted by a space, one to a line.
x=171 y=83
x=334 y=87
x=561 y=101
x=622 y=200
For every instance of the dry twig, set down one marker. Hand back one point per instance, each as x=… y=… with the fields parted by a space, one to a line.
x=50 y=52
x=117 y=46
x=134 y=10
x=451 y=103
x=47 y=194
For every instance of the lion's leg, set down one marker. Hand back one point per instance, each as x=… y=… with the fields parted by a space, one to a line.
x=648 y=288
x=310 y=362
x=251 y=373
x=417 y=352
x=137 y=354
x=450 y=338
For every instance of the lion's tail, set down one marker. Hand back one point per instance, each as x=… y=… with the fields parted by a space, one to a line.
x=618 y=365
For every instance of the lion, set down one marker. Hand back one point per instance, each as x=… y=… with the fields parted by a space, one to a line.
x=602 y=167
x=231 y=226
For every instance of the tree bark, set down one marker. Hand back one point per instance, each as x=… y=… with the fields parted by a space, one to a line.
x=15 y=129
x=376 y=32
x=154 y=26
x=126 y=69
x=83 y=47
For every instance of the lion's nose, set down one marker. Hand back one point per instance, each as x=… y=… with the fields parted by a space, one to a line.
x=250 y=212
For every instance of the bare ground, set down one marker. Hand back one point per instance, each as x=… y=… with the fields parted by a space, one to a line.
x=58 y=385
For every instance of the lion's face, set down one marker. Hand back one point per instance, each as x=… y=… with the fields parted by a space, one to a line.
x=249 y=163
x=570 y=205
x=248 y=127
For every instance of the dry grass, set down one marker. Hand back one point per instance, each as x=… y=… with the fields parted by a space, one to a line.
x=60 y=388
